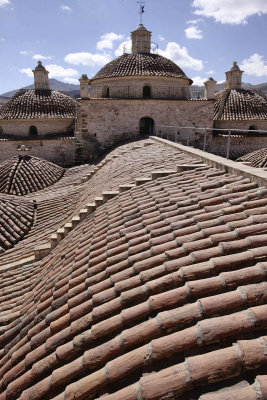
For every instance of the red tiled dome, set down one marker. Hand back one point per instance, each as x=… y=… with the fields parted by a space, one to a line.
x=22 y=175
x=239 y=104
x=38 y=103
x=141 y=64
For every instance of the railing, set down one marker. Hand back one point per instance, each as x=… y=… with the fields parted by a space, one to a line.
x=183 y=134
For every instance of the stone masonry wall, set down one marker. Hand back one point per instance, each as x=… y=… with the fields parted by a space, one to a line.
x=59 y=151
x=132 y=87
x=44 y=126
x=113 y=120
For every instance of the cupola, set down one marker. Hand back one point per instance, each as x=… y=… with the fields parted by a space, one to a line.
x=234 y=77
x=41 y=80
x=141 y=40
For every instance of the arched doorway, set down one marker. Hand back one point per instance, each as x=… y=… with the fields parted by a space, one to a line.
x=146 y=92
x=33 y=131
x=146 y=126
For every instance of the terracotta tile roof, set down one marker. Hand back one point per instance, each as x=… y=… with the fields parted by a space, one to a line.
x=16 y=219
x=139 y=64
x=257 y=158
x=38 y=103
x=23 y=175
x=239 y=104
x=159 y=293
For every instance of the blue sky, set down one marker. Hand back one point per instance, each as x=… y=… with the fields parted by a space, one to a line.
x=72 y=37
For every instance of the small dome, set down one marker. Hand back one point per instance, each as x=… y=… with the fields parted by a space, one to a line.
x=141 y=28
x=40 y=67
x=235 y=67
x=16 y=219
x=38 y=103
x=23 y=175
x=140 y=64
x=239 y=104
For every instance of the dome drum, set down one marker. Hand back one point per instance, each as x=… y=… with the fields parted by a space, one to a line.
x=133 y=88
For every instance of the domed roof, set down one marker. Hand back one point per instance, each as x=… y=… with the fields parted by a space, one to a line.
x=257 y=158
x=141 y=64
x=239 y=104
x=16 y=219
x=21 y=175
x=38 y=103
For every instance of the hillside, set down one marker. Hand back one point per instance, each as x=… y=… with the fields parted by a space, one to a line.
x=72 y=90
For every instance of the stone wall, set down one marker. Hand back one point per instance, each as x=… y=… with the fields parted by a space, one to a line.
x=44 y=126
x=132 y=87
x=113 y=120
x=59 y=151
x=258 y=124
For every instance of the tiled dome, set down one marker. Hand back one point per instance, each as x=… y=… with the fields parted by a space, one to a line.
x=22 y=175
x=16 y=219
x=141 y=64
x=239 y=104
x=257 y=159
x=38 y=103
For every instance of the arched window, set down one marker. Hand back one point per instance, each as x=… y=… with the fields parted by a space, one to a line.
x=107 y=93
x=1 y=130
x=33 y=131
x=146 y=126
x=146 y=92
x=252 y=128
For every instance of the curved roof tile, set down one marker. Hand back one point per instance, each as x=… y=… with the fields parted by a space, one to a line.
x=239 y=104
x=141 y=64
x=159 y=293
x=38 y=103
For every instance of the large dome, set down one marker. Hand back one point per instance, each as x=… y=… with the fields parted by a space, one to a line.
x=38 y=103
x=141 y=64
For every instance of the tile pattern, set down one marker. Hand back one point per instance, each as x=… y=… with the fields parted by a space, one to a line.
x=160 y=293
x=16 y=219
x=139 y=64
x=257 y=158
x=239 y=104
x=21 y=175
x=38 y=103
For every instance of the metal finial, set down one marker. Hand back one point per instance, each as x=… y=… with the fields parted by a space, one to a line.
x=142 y=10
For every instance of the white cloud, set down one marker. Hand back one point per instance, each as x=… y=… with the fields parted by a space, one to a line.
x=56 y=71
x=210 y=72
x=40 y=57
x=107 y=41
x=2 y=39
x=65 y=8
x=254 y=65
x=197 y=80
x=125 y=46
x=4 y=3
x=230 y=11
x=181 y=57
x=193 y=32
x=88 y=59
x=25 y=52
x=73 y=81
x=26 y=71
x=161 y=38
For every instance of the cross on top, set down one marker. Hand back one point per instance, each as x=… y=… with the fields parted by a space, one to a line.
x=142 y=10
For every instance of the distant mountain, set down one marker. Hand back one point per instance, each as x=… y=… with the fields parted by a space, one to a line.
x=261 y=87
x=3 y=100
x=72 y=90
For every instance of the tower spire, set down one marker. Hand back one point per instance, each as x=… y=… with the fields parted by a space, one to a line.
x=141 y=10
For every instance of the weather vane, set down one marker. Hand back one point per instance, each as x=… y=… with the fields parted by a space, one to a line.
x=142 y=10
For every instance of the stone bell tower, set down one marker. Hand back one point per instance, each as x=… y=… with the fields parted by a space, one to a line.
x=41 y=80
x=141 y=40
x=234 y=77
